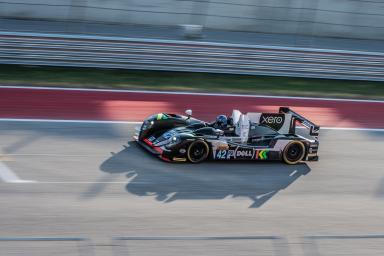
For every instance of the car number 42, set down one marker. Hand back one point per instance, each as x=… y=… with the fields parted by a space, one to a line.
x=221 y=154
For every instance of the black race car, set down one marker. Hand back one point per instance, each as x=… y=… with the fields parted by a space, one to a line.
x=251 y=136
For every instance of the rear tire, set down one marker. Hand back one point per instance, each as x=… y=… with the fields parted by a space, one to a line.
x=198 y=151
x=294 y=152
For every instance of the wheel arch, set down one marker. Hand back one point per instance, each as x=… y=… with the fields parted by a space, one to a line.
x=208 y=147
x=291 y=142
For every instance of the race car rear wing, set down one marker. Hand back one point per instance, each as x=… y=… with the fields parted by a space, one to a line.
x=313 y=128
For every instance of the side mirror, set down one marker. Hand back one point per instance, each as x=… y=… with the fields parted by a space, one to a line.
x=188 y=112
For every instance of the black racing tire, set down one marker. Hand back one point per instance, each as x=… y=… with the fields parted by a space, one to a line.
x=294 y=152
x=197 y=151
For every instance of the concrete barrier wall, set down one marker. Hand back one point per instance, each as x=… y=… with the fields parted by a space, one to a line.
x=342 y=18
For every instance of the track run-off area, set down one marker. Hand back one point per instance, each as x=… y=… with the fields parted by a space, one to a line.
x=72 y=182
x=120 y=105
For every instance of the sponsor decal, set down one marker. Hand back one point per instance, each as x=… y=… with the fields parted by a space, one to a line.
x=169 y=134
x=221 y=154
x=179 y=159
x=182 y=150
x=225 y=154
x=242 y=153
x=314 y=131
x=261 y=154
x=275 y=121
x=231 y=153
x=161 y=116
x=306 y=123
x=272 y=119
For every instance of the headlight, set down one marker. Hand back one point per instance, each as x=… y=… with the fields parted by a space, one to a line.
x=146 y=125
x=174 y=141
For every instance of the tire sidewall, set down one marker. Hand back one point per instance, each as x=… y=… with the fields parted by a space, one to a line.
x=205 y=154
x=286 y=160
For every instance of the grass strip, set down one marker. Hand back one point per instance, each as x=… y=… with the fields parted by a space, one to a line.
x=184 y=81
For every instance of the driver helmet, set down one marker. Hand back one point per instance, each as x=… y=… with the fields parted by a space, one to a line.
x=221 y=120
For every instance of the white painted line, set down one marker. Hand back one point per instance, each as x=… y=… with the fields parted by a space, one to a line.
x=345 y=128
x=67 y=121
x=90 y=182
x=186 y=93
x=293 y=173
x=266 y=194
x=7 y=175
x=169 y=196
x=136 y=122
x=51 y=155
x=353 y=129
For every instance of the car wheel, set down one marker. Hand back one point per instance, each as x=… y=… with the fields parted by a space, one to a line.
x=294 y=152
x=198 y=151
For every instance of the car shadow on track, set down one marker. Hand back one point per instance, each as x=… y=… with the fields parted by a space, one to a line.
x=168 y=182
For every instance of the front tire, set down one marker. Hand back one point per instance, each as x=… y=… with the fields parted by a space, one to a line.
x=198 y=151
x=294 y=152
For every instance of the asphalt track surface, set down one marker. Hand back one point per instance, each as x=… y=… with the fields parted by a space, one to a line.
x=89 y=180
